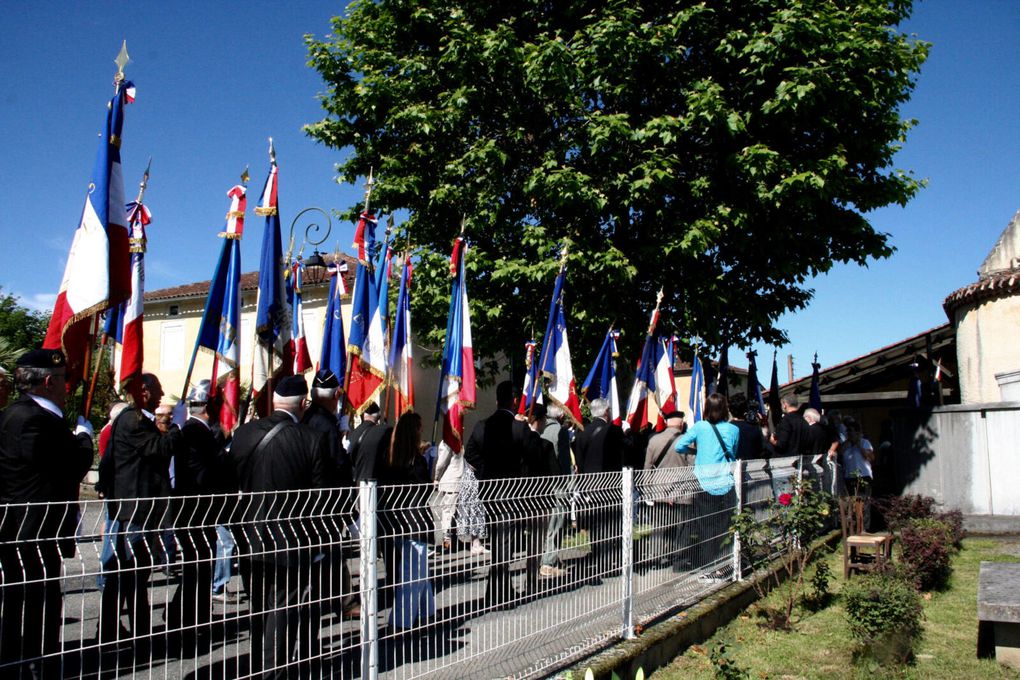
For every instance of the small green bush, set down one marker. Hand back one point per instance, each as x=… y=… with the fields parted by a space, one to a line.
x=899 y=510
x=926 y=546
x=884 y=615
x=954 y=518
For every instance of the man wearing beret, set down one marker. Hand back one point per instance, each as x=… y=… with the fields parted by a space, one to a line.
x=321 y=417
x=139 y=455
x=199 y=475
x=41 y=461
x=275 y=459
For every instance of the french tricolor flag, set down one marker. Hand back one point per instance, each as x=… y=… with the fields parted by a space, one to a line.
x=644 y=378
x=366 y=343
x=532 y=391
x=98 y=273
x=556 y=356
x=601 y=380
x=457 y=380
x=299 y=346
x=665 y=385
x=401 y=352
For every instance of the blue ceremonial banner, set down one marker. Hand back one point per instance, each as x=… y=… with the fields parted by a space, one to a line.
x=697 y=389
x=815 y=400
x=755 y=400
x=603 y=372
x=775 y=408
x=334 y=354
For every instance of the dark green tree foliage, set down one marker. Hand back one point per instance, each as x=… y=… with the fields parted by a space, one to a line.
x=725 y=151
x=20 y=327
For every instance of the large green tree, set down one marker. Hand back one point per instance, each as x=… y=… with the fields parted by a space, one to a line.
x=21 y=329
x=724 y=151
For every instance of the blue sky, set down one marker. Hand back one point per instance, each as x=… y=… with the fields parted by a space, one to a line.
x=215 y=80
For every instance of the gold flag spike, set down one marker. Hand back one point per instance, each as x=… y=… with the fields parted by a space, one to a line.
x=122 y=60
x=245 y=176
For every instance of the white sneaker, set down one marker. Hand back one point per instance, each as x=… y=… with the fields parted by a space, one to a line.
x=479 y=549
x=549 y=571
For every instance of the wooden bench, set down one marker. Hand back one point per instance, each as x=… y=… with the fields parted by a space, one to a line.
x=998 y=610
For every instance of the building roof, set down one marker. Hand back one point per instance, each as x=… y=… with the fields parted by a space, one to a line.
x=998 y=275
x=869 y=367
x=249 y=281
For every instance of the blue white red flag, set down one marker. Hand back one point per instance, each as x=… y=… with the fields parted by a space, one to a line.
x=644 y=376
x=775 y=408
x=302 y=361
x=401 y=350
x=98 y=271
x=721 y=385
x=124 y=321
x=755 y=401
x=532 y=392
x=382 y=282
x=556 y=366
x=601 y=380
x=272 y=357
x=815 y=400
x=366 y=343
x=665 y=382
x=334 y=352
x=457 y=379
x=697 y=398
x=219 y=331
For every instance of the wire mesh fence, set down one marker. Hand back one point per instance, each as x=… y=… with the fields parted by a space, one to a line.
x=509 y=578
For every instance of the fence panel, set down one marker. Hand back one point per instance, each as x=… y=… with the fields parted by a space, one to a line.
x=561 y=566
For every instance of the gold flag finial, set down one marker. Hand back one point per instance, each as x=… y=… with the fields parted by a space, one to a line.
x=121 y=61
x=144 y=184
x=245 y=176
x=272 y=152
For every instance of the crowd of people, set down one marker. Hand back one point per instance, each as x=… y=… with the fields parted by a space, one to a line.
x=431 y=498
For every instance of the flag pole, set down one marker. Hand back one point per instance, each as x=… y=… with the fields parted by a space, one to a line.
x=548 y=335
x=121 y=61
x=369 y=185
x=194 y=353
x=439 y=388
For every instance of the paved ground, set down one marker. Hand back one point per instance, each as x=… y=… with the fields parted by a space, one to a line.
x=565 y=619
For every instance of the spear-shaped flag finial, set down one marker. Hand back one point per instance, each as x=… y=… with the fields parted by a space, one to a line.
x=369 y=185
x=121 y=61
x=144 y=184
x=272 y=152
x=245 y=176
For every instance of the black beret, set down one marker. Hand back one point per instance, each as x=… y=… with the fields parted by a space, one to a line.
x=372 y=409
x=292 y=386
x=326 y=378
x=672 y=414
x=42 y=358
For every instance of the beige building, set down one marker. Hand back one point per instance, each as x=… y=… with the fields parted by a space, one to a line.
x=986 y=317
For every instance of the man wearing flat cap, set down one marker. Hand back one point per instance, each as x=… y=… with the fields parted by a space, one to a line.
x=41 y=461
x=275 y=459
x=321 y=416
x=198 y=476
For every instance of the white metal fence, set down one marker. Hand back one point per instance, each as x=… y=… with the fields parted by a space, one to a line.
x=358 y=583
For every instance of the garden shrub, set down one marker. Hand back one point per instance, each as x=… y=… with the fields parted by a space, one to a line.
x=954 y=518
x=926 y=546
x=899 y=510
x=884 y=615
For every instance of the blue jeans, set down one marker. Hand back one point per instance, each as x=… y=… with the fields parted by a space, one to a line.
x=110 y=529
x=224 y=556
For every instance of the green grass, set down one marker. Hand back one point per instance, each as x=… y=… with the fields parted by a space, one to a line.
x=820 y=645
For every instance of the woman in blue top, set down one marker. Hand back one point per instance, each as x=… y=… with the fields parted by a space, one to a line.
x=715 y=440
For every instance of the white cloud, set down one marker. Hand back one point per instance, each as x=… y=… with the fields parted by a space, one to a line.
x=37 y=302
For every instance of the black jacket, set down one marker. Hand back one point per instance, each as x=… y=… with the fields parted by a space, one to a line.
x=792 y=436
x=279 y=527
x=339 y=471
x=40 y=460
x=200 y=474
x=495 y=448
x=600 y=447
x=369 y=450
x=140 y=455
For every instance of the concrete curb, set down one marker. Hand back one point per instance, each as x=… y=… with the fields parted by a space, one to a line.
x=658 y=645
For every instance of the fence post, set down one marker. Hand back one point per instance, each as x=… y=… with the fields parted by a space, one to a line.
x=627 y=553
x=738 y=487
x=368 y=497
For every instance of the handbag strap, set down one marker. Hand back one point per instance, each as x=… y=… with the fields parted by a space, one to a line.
x=718 y=436
x=665 y=449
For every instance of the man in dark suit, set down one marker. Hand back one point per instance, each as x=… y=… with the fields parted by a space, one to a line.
x=321 y=416
x=601 y=447
x=199 y=474
x=368 y=444
x=495 y=450
x=139 y=460
x=275 y=459
x=41 y=461
x=791 y=437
